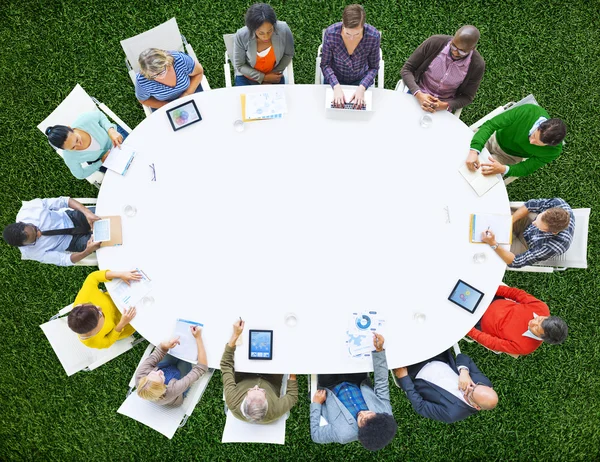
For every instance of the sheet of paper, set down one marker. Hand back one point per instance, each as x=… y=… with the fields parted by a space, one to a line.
x=119 y=159
x=269 y=104
x=101 y=230
x=501 y=225
x=360 y=331
x=479 y=182
x=130 y=295
x=187 y=349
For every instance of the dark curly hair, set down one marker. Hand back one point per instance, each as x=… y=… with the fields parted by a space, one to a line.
x=377 y=432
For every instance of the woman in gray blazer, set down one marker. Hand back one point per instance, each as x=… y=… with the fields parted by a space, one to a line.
x=262 y=49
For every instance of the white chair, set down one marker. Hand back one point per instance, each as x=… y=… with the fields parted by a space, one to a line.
x=75 y=104
x=288 y=72
x=404 y=89
x=319 y=75
x=73 y=355
x=575 y=257
x=163 y=419
x=238 y=431
x=165 y=36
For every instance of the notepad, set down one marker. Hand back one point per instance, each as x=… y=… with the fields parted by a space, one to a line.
x=187 y=348
x=119 y=159
x=101 y=230
x=479 y=182
x=500 y=224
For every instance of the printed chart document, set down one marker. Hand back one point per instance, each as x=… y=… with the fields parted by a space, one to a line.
x=130 y=295
x=360 y=331
x=119 y=159
x=501 y=225
x=269 y=104
x=187 y=348
x=479 y=182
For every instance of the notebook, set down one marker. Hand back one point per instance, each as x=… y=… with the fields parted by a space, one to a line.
x=501 y=225
x=119 y=159
x=479 y=182
x=187 y=348
x=108 y=231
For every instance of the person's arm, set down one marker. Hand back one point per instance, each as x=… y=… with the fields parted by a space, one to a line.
x=380 y=369
x=520 y=213
x=462 y=360
x=469 y=89
x=198 y=370
x=194 y=70
x=519 y=296
x=90 y=248
x=144 y=97
x=424 y=408
x=495 y=343
x=541 y=205
x=149 y=364
x=327 y=59
x=89 y=215
x=490 y=238
x=77 y=170
x=227 y=364
x=411 y=65
x=288 y=52
x=531 y=164
x=326 y=433
x=289 y=400
x=373 y=62
x=240 y=62
x=505 y=119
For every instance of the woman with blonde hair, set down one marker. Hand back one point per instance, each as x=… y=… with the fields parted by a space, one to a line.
x=165 y=76
x=164 y=379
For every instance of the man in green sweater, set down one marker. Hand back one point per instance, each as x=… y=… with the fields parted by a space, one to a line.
x=520 y=141
x=254 y=397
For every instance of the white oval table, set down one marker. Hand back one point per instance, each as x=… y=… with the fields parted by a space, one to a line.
x=306 y=214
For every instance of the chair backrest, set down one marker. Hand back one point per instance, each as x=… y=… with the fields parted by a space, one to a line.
x=576 y=256
x=76 y=103
x=165 y=36
x=163 y=419
x=228 y=39
x=238 y=431
x=73 y=355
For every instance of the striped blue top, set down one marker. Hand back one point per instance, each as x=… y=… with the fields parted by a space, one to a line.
x=146 y=88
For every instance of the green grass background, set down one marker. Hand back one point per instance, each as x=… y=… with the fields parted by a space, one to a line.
x=549 y=401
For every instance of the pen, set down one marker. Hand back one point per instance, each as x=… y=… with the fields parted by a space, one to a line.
x=487 y=231
x=240 y=320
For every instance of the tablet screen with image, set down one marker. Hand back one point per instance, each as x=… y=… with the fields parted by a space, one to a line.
x=465 y=296
x=183 y=115
x=261 y=344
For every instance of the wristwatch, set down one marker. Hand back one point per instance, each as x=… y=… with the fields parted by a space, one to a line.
x=494 y=247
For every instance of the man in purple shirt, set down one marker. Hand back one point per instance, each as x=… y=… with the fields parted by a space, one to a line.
x=444 y=72
x=351 y=54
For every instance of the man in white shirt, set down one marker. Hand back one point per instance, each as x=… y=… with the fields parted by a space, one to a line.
x=56 y=231
x=445 y=389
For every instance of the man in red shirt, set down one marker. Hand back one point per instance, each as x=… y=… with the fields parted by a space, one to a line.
x=517 y=323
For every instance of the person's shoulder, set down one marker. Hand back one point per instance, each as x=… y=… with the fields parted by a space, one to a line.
x=438 y=39
x=334 y=29
x=243 y=33
x=282 y=26
x=371 y=31
x=532 y=109
x=84 y=117
x=142 y=81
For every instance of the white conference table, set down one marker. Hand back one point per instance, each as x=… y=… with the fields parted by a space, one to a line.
x=306 y=214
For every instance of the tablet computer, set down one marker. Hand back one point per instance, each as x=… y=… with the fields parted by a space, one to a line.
x=261 y=344
x=466 y=296
x=183 y=115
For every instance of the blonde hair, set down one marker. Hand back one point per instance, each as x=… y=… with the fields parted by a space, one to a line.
x=153 y=61
x=150 y=390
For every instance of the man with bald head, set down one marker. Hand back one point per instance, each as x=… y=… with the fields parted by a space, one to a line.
x=445 y=389
x=444 y=72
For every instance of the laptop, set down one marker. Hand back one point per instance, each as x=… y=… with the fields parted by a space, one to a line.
x=348 y=112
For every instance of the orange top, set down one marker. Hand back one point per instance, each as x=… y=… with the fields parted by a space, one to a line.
x=266 y=63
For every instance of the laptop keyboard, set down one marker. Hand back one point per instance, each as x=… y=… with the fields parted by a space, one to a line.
x=362 y=107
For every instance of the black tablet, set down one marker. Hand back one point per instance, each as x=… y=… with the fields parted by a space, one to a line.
x=261 y=344
x=466 y=296
x=183 y=115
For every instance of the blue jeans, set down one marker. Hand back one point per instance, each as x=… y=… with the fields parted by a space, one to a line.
x=183 y=366
x=241 y=80
x=198 y=90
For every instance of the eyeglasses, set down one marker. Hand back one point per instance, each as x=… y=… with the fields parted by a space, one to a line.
x=469 y=394
x=160 y=74
x=460 y=52
x=153 y=172
x=35 y=231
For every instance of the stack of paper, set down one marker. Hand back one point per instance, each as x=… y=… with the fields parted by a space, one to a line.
x=119 y=159
x=187 y=348
x=479 y=182
x=269 y=104
x=130 y=295
x=360 y=333
x=500 y=225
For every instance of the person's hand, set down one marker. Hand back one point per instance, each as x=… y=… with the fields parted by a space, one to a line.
x=338 y=96
x=272 y=77
x=378 y=341
x=115 y=137
x=92 y=246
x=488 y=237
x=401 y=372
x=167 y=345
x=196 y=332
x=359 y=97
x=238 y=327
x=427 y=101
x=292 y=376
x=320 y=397
x=472 y=160
x=127 y=276
x=493 y=167
x=464 y=380
x=91 y=217
x=441 y=106
x=128 y=315
x=103 y=158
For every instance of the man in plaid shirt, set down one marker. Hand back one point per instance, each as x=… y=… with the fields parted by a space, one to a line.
x=542 y=229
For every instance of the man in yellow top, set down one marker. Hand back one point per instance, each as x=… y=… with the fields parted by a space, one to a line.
x=254 y=397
